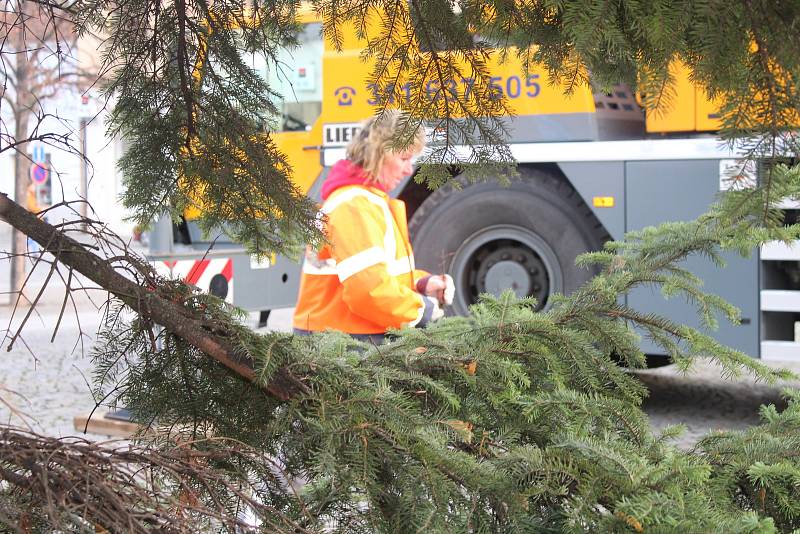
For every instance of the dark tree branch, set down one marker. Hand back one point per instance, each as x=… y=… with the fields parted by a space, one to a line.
x=171 y=315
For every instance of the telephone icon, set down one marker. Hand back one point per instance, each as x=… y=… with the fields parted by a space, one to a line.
x=345 y=95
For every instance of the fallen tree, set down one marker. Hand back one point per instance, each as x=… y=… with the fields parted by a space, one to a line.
x=503 y=421
x=506 y=420
x=82 y=485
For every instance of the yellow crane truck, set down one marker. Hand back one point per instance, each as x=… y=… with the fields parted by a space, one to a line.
x=592 y=167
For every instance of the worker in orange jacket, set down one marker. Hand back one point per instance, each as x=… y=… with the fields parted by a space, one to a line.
x=362 y=280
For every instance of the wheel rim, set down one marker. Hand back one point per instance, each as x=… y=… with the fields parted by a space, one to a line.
x=505 y=257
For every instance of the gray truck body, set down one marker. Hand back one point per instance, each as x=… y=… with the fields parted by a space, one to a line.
x=651 y=181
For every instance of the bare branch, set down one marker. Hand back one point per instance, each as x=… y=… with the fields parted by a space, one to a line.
x=116 y=487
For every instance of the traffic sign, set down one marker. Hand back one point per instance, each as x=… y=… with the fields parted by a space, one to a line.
x=39 y=173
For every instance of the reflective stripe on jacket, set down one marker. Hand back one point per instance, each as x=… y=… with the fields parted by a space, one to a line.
x=363 y=280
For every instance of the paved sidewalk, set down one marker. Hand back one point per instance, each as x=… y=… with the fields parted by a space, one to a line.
x=49 y=381
x=45 y=378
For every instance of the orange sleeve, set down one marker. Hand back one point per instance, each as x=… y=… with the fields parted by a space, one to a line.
x=356 y=232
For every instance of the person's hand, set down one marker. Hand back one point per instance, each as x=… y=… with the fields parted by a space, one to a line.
x=442 y=288
x=438 y=313
x=432 y=311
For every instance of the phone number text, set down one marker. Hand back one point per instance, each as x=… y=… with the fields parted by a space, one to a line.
x=511 y=87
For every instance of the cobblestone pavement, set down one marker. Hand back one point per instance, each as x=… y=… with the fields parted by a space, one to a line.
x=703 y=401
x=51 y=379
x=46 y=381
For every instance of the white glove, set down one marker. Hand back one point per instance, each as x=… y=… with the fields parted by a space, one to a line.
x=442 y=288
x=437 y=312
x=449 y=289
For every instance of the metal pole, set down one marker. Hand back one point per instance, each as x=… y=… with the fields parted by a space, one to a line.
x=84 y=186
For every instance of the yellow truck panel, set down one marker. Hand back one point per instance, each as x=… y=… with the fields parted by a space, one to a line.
x=689 y=110
x=706 y=112
x=302 y=150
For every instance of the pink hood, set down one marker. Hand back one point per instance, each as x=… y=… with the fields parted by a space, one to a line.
x=344 y=173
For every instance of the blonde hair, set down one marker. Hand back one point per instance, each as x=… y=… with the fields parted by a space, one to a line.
x=389 y=131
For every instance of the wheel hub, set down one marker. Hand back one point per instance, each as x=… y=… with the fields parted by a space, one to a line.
x=511 y=265
x=506 y=257
x=507 y=275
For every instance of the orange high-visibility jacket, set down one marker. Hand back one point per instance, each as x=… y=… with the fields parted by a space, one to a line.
x=363 y=280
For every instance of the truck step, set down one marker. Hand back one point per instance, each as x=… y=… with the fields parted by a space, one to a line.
x=780 y=300
x=780 y=350
x=780 y=251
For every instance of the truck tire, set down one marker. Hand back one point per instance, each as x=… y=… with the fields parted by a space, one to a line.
x=490 y=237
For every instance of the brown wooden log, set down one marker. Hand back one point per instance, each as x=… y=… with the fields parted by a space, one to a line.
x=172 y=316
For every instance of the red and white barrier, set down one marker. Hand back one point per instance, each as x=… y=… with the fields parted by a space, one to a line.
x=213 y=276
